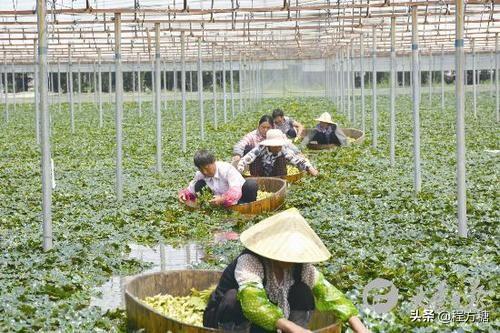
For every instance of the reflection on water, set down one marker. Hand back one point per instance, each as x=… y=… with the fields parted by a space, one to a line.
x=162 y=257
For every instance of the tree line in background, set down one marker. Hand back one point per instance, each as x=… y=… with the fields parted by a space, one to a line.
x=24 y=81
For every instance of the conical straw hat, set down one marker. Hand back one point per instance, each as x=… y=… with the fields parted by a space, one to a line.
x=275 y=137
x=325 y=118
x=286 y=237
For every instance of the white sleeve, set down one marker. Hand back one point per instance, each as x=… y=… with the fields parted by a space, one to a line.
x=249 y=269
x=234 y=177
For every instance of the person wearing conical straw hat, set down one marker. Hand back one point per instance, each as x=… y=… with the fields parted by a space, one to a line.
x=326 y=132
x=252 y=139
x=269 y=158
x=273 y=285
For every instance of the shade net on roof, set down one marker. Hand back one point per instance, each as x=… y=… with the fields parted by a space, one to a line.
x=270 y=29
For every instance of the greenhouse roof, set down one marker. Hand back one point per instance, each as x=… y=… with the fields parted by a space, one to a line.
x=268 y=29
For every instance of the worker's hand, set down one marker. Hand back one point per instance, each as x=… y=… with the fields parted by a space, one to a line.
x=313 y=172
x=218 y=200
x=287 y=326
x=357 y=326
x=235 y=160
x=182 y=196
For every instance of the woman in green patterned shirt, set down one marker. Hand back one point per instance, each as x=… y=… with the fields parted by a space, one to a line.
x=273 y=285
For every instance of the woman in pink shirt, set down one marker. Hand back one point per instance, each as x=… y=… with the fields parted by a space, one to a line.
x=252 y=139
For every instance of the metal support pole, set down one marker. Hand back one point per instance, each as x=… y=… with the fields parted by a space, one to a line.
x=59 y=84
x=374 y=89
x=200 y=93
x=492 y=70
x=6 y=96
x=259 y=82
x=231 y=81
x=353 y=85
x=240 y=83
x=79 y=78
x=96 y=97
x=348 y=81
x=157 y=104
x=430 y=77
x=153 y=84
x=331 y=81
x=337 y=78
x=50 y=87
x=224 y=94
x=442 y=77
x=325 y=76
x=174 y=66
x=342 y=80
x=165 y=97
x=45 y=127
x=214 y=86
x=139 y=86
x=497 y=77
x=99 y=87
x=14 y=87
x=474 y=82
x=460 y=107
x=118 y=106
x=394 y=78
x=134 y=90
x=183 y=90
x=37 y=93
x=416 y=102
x=248 y=79
x=110 y=85
x=70 y=90
x=362 y=81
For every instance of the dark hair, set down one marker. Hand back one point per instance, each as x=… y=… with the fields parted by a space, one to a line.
x=278 y=113
x=203 y=157
x=266 y=119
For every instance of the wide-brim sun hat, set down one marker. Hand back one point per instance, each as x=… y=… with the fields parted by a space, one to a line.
x=286 y=237
x=275 y=137
x=325 y=118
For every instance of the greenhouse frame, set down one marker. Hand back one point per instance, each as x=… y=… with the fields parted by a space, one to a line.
x=194 y=71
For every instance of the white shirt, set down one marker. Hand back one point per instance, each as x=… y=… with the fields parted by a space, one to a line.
x=226 y=177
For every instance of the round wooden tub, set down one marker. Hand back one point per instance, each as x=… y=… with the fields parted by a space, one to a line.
x=272 y=203
x=294 y=178
x=352 y=133
x=289 y=178
x=178 y=283
x=356 y=134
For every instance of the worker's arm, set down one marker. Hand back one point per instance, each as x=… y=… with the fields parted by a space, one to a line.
x=248 y=158
x=308 y=138
x=239 y=148
x=329 y=298
x=341 y=136
x=299 y=161
x=257 y=307
x=299 y=128
x=188 y=193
